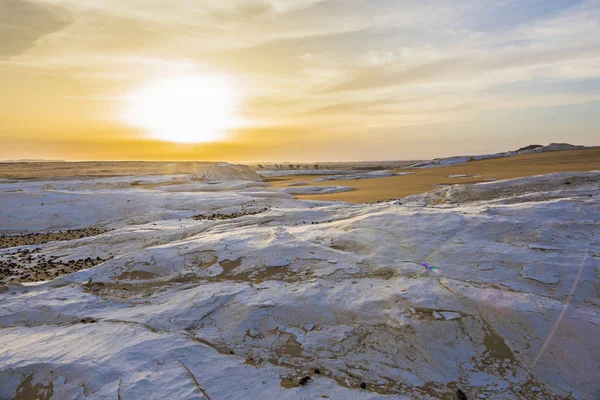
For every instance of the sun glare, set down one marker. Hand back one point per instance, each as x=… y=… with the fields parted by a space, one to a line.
x=187 y=109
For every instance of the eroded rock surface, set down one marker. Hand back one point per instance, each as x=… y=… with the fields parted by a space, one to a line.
x=252 y=305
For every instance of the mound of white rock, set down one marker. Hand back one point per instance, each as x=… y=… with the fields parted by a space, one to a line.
x=220 y=172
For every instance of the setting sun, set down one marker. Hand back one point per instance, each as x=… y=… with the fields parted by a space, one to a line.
x=188 y=109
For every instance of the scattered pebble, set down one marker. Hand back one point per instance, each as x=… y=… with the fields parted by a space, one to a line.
x=30 y=239
x=253 y=333
x=27 y=266
x=449 y=315
x=223 y=217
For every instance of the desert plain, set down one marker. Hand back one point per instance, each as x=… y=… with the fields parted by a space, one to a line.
x=134 y=280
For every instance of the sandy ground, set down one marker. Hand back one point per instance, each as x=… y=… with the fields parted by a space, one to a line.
x=425 y=179
x=63 y=169
x=45 y=170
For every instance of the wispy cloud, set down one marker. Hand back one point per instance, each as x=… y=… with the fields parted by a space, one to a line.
x=317 y=64
x=23 y=23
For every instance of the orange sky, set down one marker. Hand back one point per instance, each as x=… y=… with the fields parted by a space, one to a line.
x=314 y=80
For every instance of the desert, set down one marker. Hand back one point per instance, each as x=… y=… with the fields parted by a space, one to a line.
x=299 y=200
x=490 y=288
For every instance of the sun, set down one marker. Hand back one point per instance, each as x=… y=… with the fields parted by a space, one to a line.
x=184 y=109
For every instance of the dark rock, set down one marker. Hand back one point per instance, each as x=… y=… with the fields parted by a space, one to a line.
x=530 y=147
x=460 y=395
x=305 y=380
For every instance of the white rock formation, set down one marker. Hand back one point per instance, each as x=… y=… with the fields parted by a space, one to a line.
x=220 y=172
x=242 y=308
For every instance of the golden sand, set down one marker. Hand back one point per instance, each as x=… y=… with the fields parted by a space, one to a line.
x=425 y=179
x=61 y=169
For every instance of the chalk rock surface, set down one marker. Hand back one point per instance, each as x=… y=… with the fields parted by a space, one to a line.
x=244 y=291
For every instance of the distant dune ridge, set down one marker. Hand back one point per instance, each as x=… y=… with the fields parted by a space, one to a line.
x=31 y=160
x=533 y=148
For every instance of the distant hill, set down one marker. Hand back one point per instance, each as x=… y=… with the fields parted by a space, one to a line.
x=532 y=148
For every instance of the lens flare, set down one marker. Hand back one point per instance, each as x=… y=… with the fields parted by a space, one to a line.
x=431 y=269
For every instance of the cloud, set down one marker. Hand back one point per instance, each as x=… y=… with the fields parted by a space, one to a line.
x=244 y=9
x=23 y=23
x=335 y=67
x=469 y=68
x=369 y=78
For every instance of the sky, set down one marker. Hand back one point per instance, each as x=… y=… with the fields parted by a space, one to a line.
x=307 y=80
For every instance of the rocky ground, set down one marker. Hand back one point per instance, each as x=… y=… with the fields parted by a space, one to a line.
x=30 y=266
x=29 y=239
x=491 y=289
